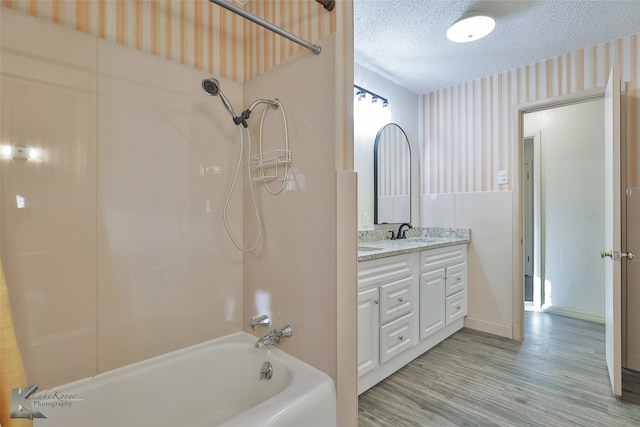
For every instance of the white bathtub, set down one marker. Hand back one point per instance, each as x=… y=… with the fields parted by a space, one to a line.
x=216 y=383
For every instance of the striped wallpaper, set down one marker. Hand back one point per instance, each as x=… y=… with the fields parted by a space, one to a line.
x=467 y=129
x=197 y=33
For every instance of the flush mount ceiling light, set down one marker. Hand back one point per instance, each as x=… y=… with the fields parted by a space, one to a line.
x=470 y=27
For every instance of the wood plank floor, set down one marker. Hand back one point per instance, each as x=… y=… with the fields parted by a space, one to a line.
x=556 y=377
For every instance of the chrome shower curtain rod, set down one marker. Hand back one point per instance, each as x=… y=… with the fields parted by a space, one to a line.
x=266 y=24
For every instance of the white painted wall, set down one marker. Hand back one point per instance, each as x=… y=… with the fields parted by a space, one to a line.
x=489 y=257
x=403 y=111
x=572 y=193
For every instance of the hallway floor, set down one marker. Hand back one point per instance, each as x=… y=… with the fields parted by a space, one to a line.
x=556 y=377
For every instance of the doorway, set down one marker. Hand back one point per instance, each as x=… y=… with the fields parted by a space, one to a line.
x=563 y=202
x=529 y=225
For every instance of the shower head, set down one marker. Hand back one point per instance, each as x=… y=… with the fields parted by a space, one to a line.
x=212 y=87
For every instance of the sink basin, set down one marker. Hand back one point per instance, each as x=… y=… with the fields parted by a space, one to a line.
x=423 y=239
x=368 y=248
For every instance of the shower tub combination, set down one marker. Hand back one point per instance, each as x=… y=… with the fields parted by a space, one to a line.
x=217 y=383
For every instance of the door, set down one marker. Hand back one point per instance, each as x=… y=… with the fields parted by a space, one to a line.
x=432 y=294
x=613 y=232
x=368 y=315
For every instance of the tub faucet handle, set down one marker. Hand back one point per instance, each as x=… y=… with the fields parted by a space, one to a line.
x=287 y=331
x=263 y=320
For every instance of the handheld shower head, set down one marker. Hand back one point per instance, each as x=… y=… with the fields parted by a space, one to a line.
x=212 y=87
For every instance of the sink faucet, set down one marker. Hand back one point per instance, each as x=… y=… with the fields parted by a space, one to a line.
x=402 y=234
x=272 y=339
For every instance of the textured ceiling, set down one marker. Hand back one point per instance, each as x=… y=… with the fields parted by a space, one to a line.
x=405 y=40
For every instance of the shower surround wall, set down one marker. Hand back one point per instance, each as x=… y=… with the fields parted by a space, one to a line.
x=138 y=161
x=118 y=253
x=295 y=261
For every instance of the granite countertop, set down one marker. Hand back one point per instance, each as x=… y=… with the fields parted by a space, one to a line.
x=376 y=244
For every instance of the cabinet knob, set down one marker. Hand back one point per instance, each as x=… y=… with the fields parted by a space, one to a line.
x=375 y=301
x=459 y=279
x=400 y=299
x=458 y=307
x=400 y=337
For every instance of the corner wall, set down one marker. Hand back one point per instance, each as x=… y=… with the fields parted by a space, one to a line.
x=293 y=276
x=467 y=137
x=294 y=267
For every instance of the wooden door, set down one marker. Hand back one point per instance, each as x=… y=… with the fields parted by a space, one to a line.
x=613 y=232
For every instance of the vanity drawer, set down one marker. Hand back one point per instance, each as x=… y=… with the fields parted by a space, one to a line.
x=383 y=270
x=397 y=336
x=433 y=259
x=456 y=278
x=456 y=307
x=396 y=299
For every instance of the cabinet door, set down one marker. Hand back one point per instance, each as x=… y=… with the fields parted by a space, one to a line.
x=432 y=314
x=368 y=337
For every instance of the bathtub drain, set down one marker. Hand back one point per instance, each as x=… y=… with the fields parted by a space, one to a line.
x=266 y=372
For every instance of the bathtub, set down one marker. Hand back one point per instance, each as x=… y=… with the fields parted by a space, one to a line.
x=216 y=383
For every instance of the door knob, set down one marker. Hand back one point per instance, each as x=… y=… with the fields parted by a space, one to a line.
x=615 y=255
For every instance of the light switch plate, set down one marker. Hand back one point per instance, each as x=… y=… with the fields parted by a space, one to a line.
x=365 y=219
x=502 y=177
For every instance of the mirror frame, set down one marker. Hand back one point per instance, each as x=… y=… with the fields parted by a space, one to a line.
x=375 y=175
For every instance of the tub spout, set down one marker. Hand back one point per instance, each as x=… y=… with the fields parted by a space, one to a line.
x=272 y=339
x=269 y=340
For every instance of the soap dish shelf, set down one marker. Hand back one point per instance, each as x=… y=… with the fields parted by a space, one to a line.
x=268 y=164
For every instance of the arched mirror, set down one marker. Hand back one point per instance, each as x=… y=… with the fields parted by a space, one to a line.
x=391 y=176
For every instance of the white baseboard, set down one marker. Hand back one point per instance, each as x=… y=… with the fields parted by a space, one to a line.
x=490 y=328
x=577 y=314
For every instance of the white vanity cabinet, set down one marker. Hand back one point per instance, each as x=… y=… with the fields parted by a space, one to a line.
x=443 y=297
x=407 y=304
x=387 y=299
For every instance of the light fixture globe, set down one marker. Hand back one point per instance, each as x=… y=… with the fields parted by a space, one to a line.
x=470 y=27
